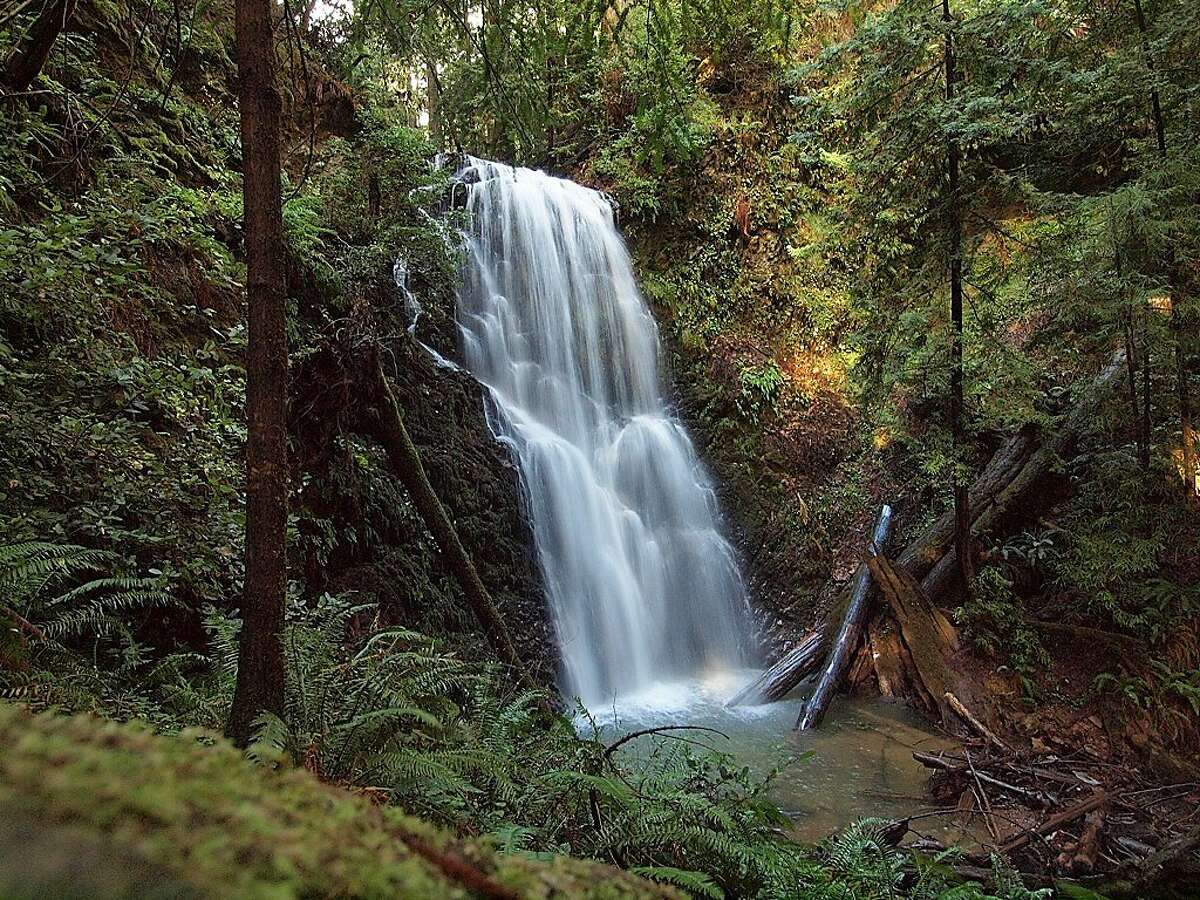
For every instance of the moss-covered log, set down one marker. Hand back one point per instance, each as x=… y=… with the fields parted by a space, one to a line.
x=407 y=467
x=99 y=809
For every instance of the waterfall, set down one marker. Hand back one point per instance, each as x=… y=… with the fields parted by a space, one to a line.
x=642 y=586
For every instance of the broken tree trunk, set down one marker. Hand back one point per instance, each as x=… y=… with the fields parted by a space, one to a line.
x=1006 y=488
x=929 y=638
x=776 y=682
x=889 y=658
x=850 y=632
x=407 y=467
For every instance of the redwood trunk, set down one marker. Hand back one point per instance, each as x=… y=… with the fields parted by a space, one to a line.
x=260 y=681
x=26 y=62
x=962 y=500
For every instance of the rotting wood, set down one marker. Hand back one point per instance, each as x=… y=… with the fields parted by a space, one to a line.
x=957 y=767
x=925 y=640
x=1164 y=857
x=850 y=631
x=1087 y=851
x=889 y=657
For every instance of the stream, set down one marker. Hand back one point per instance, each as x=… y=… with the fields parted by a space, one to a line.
x=858 y=764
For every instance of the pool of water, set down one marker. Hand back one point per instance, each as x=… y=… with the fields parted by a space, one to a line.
x=857 y=764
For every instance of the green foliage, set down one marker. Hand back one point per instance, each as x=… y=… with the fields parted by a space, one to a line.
x=761 y=386
x=45 y=585
x=1156 y=692
x=1120 y=533
x=996 y=622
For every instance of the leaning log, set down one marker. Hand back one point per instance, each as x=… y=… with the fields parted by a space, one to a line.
x=388 y=425
x=1007 y=488
x=777 y=682
x=850 y=631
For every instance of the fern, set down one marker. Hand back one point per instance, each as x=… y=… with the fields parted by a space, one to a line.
x=695 y=883
x=45 y=585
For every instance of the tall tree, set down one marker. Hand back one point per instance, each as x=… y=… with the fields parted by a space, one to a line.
x=1182 y=387
x=27 y=60
x=962 y=503
x=260 y=681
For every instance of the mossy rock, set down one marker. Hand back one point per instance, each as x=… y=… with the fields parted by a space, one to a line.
x=92 y=808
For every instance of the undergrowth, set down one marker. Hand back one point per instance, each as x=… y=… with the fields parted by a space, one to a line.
x=390 y=712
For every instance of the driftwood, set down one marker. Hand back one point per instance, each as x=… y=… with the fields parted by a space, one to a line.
x=777 y=682
x=850 y=632
x=944 y=764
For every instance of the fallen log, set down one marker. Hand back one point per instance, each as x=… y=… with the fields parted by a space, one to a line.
x=778 y=681
x=1006 y=489
x=405 y=462
x=850 y=632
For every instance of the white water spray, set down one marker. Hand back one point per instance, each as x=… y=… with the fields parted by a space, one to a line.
x=642 y=586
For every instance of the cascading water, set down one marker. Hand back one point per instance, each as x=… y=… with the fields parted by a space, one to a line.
x=642 y=586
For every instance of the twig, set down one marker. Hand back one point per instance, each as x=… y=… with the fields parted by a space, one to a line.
x=661 y=729
x=1181 y=846
x=1056 y=821
x=984 y=803
x=965 y=714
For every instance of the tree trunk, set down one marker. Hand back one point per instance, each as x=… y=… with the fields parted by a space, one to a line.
x=850 y=632
x=962 y=500
x=433 y=103
x=1182 y=387
x=1006 y=491
x=1140 y=437
x=260 y=679
x=929 y=638
x=306 y=16
x=1147 y=412
x=407 y=467
x=24 y=63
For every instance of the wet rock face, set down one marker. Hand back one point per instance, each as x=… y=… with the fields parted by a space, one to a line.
x=359 y=530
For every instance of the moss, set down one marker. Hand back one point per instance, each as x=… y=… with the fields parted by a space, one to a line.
x=100 y=809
